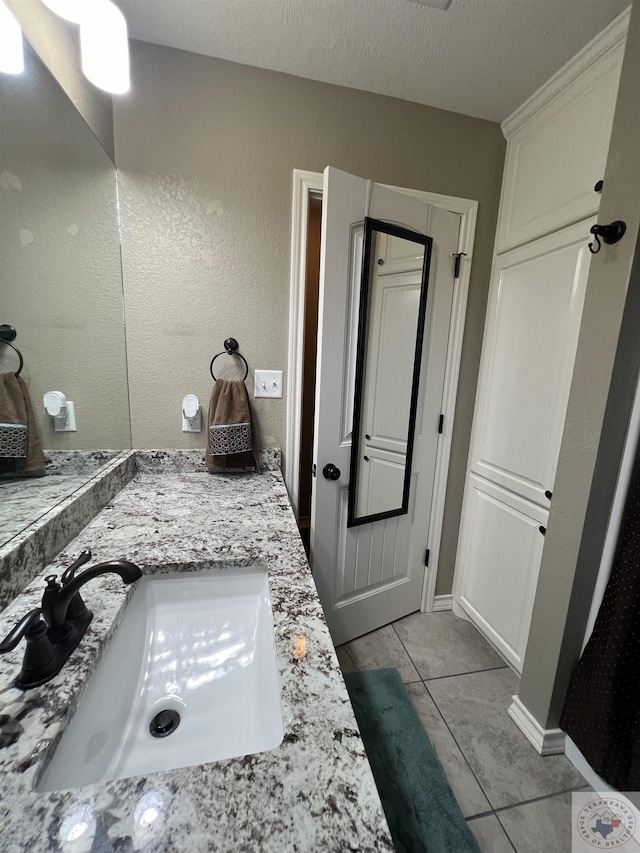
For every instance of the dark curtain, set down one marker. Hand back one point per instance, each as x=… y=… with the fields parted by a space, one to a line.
x=602 y=709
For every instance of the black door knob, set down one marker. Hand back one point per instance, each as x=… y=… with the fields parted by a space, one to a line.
x=548 y=495
x=542 y=529
x=330 y=472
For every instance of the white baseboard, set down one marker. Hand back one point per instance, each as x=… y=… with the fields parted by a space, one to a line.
x=545 y=741
x=442 y=602
x=582 y=766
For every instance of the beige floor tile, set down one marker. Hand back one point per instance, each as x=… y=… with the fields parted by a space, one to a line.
x=540 y=827
x=381 y=649
x=463 y=783
x=490 y=835
x=344 y=659
x=506 y=765
x=442 y=644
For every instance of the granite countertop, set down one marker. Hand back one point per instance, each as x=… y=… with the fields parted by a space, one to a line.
x=24 y=500
x=314 y=792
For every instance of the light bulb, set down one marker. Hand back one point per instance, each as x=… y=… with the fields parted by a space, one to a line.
x=11 y=48
x=104 y=47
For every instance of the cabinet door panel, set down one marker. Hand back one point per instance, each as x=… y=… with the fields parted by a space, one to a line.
x=498 y=563
x=531 y=336
x=555 y=158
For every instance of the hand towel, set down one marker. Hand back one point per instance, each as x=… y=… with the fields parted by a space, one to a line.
x=231 y=437
x=16 y=410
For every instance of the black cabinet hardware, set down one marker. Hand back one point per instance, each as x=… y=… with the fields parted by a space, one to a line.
x=610 y=234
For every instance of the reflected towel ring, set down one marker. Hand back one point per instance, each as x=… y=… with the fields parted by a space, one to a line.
x=230 y=348
x=8 y=334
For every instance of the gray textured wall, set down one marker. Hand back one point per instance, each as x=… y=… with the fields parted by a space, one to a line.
x=205 y=150
x=579 y=514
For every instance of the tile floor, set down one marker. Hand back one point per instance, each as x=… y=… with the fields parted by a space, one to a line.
x=513 y=799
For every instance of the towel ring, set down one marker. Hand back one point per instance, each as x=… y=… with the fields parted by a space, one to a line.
x=8 y=334
x=230 y=348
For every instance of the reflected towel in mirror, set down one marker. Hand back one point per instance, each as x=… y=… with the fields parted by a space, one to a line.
x=16 y=415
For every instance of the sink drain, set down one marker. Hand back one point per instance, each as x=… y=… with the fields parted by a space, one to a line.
x=164 y=723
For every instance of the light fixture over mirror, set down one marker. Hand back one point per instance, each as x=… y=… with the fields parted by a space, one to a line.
x=104 y=47
x=393 y=299
x=104 y=42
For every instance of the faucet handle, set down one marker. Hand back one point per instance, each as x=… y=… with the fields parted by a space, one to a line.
x=77 y=608
x=70 y=571
x=27 y=624
x=40 y=660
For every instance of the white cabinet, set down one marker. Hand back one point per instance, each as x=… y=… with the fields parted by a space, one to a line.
x=531 y=336
x=556 y=155
x=557 y=145
x=498 y=561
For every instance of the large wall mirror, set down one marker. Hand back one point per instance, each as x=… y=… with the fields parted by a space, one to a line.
x=60 y=289
x=393 y=299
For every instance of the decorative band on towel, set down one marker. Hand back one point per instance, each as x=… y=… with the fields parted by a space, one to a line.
x=13 y=440
x=229 y=438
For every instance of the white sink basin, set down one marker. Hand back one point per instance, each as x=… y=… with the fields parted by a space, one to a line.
x=198 y=644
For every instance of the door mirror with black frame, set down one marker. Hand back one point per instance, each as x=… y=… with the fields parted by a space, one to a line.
x=393 y=301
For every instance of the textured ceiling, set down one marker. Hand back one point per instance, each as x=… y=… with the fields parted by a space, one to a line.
x=478 y=57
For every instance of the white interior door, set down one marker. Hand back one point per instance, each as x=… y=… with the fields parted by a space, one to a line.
x=372 y=574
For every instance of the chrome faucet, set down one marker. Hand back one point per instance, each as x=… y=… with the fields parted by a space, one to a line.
x=66 y=618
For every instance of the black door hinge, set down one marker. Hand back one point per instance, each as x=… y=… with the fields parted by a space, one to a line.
x=456 y=265
x=313 y=470
x=426 y=557
x=441 y=424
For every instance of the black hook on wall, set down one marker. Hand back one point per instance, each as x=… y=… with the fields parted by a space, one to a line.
x=610 y=234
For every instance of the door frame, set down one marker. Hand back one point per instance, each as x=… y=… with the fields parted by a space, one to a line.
x=309 y=184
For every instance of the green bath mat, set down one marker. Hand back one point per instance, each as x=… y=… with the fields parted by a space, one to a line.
x=421 y=811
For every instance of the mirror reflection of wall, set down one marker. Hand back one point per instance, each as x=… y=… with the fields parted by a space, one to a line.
x=393 y=300
x=60 y=280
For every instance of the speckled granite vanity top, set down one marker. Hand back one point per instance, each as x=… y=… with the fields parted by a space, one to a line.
x=314 y=792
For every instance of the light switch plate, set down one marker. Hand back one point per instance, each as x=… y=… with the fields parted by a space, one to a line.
x=267 y=383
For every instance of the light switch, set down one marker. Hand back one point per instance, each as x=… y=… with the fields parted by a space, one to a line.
x=267 y=383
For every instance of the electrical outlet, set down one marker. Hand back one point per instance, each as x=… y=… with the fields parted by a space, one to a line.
x=267 y=383
x=68 y=422
x=193 y=424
